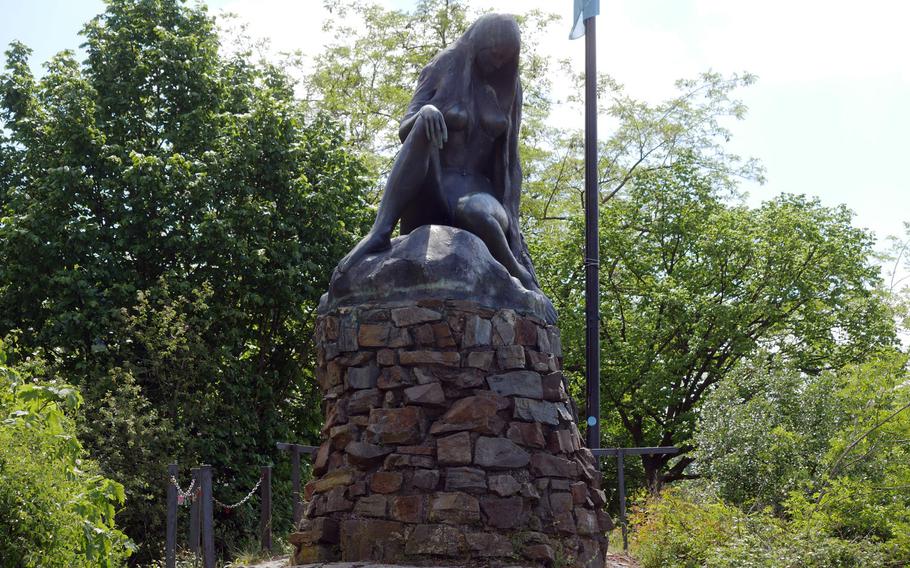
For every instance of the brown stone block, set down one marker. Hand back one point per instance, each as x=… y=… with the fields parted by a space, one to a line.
x=408 y=508
x=412 y=315
x=443 y=334
x=357 y=489
x=510 y=357
x=372 y=506
x=400 y=337
x=504 y=512
x=470 y=307
x=456 y=508
x=504 y=327
x=481 y=359
x=454 y=449
x=425 y=479
x=341 y=436
x=356 y=358
x=474 y=413
x=315 y=531
x=579 y=491
x=394 y=377
x=436 y=540
x=561 y=442
x=334 y=373
x=347 y=336
x=426 y=357
x=525 y=332
x=395 y=461
x=331 y=480
x=561 y=502
x=503 y=485
x=477 y=332
x=423 y=335
x=499 y=453
x=335 y=501
x=364 y=455
x=374 y=316
x=543 y=340
x=419 y=450
x=372 y=539
x=484 y=544
x=373 y=334
x=531 y=410
x=553 y=389
x=564 y=522
x=586 y=521
x=386 y=357
x=542 y=553
x=517 y=383
x=526 y=434
x=461 y=478
x=425 y=395
x=363 y=401
x=322 y=458
x=359 y=378
x=386 y=482
x=330 y=327
x=546 y=465
x=397 y=425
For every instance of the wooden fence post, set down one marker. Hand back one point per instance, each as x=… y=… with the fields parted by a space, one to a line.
x=295 y=482
x=265 y=515
x=170 y=547
x=208 y=536
x=194 y=513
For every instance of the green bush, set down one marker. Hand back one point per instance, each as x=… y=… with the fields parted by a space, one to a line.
x=55 y=510
x=688 y=527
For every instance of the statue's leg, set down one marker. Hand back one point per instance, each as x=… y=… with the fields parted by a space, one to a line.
x=484 y=216
x=405 y=180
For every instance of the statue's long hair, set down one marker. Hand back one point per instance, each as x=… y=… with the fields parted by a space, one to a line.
x=450 y=79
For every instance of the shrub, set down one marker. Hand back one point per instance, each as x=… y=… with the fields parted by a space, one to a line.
x=689 y=527
x=55 y=510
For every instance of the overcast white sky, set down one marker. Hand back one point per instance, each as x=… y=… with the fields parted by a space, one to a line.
x=828 y=117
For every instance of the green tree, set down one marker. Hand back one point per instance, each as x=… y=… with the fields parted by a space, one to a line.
x=692 y=285
x=170 y=217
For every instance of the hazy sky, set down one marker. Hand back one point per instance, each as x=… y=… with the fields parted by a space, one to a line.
x=829 y=116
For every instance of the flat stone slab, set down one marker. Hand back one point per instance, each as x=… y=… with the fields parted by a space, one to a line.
x=433 y=262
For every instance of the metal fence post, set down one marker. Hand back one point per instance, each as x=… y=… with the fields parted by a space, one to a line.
x=295 y=482
x=621 y=475
x=265 y=515
x=170 y=547
x=208 y=536
x=194 y=513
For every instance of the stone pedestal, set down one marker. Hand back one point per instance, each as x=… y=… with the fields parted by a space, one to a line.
x=449 y=440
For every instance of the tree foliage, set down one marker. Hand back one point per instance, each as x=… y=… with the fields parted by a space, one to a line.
x=55 y=509
x=170 y=217
x=692 y=285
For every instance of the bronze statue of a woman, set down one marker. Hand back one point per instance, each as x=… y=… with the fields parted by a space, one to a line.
x=459 y=164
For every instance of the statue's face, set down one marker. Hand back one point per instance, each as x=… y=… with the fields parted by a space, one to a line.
x=493 y=58
x=497 y=45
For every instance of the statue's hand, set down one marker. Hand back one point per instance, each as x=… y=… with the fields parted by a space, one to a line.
x=434 y=125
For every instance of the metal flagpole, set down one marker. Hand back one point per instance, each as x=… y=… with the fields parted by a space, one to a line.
x=592 y=251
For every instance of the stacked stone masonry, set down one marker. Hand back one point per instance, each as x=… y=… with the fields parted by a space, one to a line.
x=449 y=439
